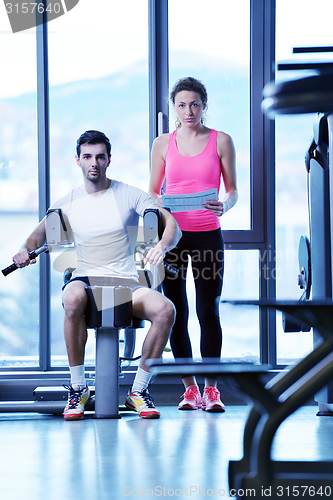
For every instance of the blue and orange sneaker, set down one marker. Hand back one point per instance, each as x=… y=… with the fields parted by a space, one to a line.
x=74 y=410
x=142 y=402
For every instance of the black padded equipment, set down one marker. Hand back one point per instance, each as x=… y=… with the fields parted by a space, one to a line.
x=306 y=95
x=272 y=403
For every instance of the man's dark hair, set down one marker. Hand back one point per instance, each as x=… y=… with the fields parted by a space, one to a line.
x=190 y=84
x=93 y=137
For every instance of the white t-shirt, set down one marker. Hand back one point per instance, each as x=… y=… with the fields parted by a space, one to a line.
x=104 y=228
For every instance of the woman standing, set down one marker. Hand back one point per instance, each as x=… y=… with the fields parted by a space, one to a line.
x=193 y=159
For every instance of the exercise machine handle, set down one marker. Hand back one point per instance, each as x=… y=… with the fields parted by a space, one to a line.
x=171 y=270
x=32 y=255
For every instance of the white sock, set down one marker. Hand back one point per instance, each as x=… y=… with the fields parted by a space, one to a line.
x=141 y=380
x=78 y=380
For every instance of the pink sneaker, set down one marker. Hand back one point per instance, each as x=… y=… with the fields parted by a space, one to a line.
x=192 y=399
x=211 y=400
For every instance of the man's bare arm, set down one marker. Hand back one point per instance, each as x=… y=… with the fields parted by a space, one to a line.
x=36 y=240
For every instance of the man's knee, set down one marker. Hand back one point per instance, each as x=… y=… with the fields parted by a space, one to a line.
x=75 y=300
x=169 y=312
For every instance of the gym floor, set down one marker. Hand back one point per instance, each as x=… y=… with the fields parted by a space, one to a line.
x=183 y=454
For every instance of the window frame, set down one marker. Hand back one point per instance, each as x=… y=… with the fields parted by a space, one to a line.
x=43 y=132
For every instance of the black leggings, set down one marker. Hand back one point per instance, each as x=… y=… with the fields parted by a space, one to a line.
x=206 y=251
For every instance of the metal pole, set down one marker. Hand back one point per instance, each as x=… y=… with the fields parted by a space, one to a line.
x=43 y=183
x=107 y=373
x=158 y=69
x=263 y=153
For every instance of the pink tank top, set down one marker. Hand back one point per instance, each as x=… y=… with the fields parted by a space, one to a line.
x=193 y=174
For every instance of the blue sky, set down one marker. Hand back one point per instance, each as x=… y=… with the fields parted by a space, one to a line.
x=91 y=42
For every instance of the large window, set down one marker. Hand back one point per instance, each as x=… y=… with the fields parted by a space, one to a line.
x=219 y=56
x=19 y=312
x=101 y=84
x=98 y=78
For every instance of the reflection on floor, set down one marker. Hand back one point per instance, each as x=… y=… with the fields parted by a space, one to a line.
x=183 y=454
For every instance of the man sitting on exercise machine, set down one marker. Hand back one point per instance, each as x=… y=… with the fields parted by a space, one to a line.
x=102 y=214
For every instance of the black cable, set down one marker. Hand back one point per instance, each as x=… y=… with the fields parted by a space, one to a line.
x=129 y=359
